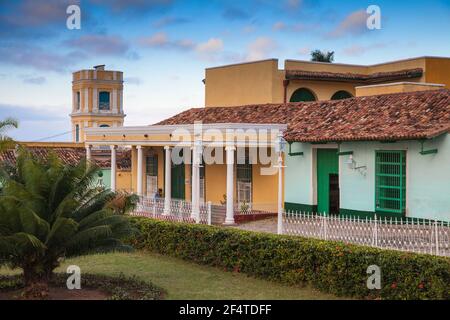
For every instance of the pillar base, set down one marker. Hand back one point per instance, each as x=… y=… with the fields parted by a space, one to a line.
x=230 y=223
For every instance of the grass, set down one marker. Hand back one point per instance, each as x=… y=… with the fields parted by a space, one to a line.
x=185 y=280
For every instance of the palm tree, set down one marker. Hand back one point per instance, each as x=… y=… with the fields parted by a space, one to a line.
x=5 y=141
x=49 y=211
x=321 y=56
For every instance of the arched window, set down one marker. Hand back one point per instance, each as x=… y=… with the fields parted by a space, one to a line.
x=104 y=126
x=341 y=95
x=303 y=95
x=103 y=100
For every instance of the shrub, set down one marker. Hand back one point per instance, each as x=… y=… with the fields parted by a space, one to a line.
x=332 y=267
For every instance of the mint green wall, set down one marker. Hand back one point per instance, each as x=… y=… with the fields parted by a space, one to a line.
x=298 y=175
x=106 y=178
x=428 y=177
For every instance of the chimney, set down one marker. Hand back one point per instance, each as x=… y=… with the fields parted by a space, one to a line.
x=100 y=67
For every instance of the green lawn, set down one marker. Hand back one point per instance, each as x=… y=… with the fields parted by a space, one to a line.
x=185 y=280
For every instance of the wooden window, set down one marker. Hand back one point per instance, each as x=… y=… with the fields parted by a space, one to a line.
x=244 y=182
x=103 y=100
x=151 y=165
x=390 y=181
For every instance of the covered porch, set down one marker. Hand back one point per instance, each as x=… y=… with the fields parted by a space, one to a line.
x=231 y=167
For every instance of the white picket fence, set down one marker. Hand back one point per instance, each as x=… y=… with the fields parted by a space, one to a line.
x=396 y=234
x=180 y=211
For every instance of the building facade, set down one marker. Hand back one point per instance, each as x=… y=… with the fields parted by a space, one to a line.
x=97 y=100
x=263 y=82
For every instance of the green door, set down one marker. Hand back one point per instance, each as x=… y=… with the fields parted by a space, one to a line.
x=327 y=181
x=178 y=181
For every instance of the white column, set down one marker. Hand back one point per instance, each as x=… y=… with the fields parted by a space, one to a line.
x=114 y=101
x=121 y=101
x=86 y=100
x=280 y=195
x=140 y=170
x=113 y=168
x=94 y=100
x=195 y=214
x=88 y=154
x=229 y=220
x=168 y=180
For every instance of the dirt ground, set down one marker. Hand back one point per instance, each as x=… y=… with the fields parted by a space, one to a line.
x=57 y=293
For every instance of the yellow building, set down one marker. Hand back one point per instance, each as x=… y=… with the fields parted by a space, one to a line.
x=263 y=82
x=263 y=88
x=97 y=100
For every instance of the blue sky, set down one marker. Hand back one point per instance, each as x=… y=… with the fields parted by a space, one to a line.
x=163 y=47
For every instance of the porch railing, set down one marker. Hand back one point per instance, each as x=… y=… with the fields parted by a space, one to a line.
x=415 y=236
x=179 y=211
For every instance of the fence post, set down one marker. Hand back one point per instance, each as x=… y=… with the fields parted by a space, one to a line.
x=375 y=232
x=436 y=231
x=281 y=212
x=209 y=213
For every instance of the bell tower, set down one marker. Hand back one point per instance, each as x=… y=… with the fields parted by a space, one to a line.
x=97 y=100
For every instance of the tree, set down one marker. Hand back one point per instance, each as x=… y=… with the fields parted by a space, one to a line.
x=5 y=141
x=321 y=56
x=50 y=211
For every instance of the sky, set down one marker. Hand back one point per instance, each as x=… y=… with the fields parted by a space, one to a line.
x=164 y=46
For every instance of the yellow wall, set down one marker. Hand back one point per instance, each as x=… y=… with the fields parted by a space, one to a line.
x=321 y=89
x=262 y=82
x=438 y=71
x=216 y=182
x=247 y=83
x=394 y=88
x=123 y=180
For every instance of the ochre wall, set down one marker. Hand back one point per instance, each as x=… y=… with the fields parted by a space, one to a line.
x=262 y=81
x=247 y=83
x=438 y=71
x=123 y=180
x=393 y=88
x=321 y=89
x=215 y=182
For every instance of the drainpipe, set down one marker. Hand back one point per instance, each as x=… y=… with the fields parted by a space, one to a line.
x=285 y=85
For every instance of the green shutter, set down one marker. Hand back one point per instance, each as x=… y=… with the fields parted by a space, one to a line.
x=390 y=181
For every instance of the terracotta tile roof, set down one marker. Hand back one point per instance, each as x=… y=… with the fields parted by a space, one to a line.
x=399 y=116
x=71 y=156
x=354 y=77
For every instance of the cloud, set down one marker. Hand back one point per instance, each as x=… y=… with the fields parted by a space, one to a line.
x=30 y=113
x=296 y=27
x=304 y=51
x=354 y=24
x=261 y=48
x=248 y=29
x=210 y=49
x=162 y=41
x=294 y=4
x=233 y=14
x=111 y=45
x=169 y=21
x=357 y=50
x=137 y=6
x=36 y=57
x=133 y=80
x=35 y=80
x=32 y=18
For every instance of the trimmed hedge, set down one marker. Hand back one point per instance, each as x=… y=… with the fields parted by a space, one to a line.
x=331 y=267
